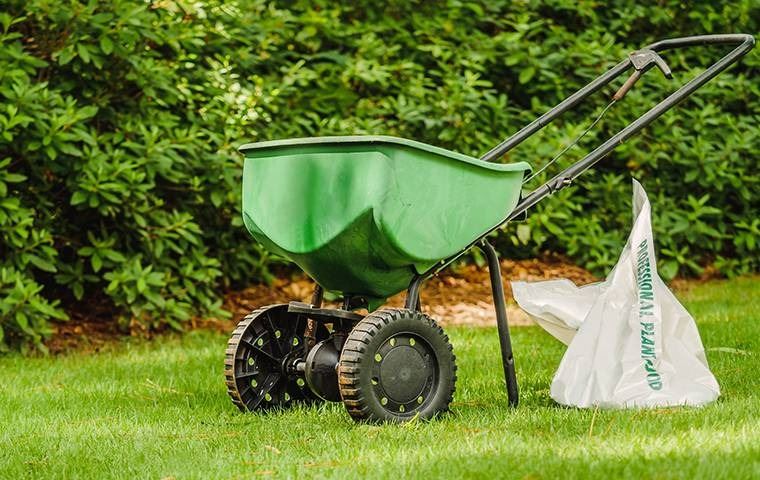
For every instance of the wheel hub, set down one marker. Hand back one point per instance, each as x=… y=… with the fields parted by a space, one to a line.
x=403 y=373
x=321 y=370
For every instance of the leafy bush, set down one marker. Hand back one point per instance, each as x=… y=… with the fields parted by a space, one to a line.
x=119 y=122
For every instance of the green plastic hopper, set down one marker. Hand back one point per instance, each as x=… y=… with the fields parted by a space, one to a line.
x=363 y=214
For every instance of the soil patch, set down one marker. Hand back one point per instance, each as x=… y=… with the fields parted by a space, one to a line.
x=460 y=296
x=90 y=327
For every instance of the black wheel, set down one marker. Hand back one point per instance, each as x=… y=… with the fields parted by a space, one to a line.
x=259 y=355
x=396 y=364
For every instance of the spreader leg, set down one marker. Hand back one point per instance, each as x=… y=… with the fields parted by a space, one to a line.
x=507 y=360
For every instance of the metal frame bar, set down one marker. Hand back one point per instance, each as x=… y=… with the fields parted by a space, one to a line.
x=500 y=304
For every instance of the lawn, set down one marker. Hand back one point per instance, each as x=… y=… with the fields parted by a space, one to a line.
x=156 y=410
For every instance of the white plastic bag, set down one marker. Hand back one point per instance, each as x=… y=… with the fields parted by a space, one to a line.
x=631 y=343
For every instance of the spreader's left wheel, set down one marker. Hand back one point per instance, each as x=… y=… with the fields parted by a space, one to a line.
x=259 y=358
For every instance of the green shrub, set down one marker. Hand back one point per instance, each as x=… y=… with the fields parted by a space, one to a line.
x=119 y=122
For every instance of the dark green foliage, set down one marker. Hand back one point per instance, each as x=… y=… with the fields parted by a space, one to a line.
x=119 y=122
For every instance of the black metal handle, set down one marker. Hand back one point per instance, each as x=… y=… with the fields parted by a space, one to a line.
x=564 y=178
x=744 y=44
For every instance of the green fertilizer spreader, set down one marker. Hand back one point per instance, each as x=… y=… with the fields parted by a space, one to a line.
x=367 y=217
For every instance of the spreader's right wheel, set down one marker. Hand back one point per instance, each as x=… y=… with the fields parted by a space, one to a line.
x=396 y=365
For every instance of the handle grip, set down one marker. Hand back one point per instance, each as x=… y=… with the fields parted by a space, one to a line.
x=627 y=86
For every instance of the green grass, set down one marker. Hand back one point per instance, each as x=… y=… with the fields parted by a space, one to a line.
x=154 y=410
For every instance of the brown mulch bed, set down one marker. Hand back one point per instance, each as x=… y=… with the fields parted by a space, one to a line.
x=90 y=327
x=456 y=297
x=460 y=296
